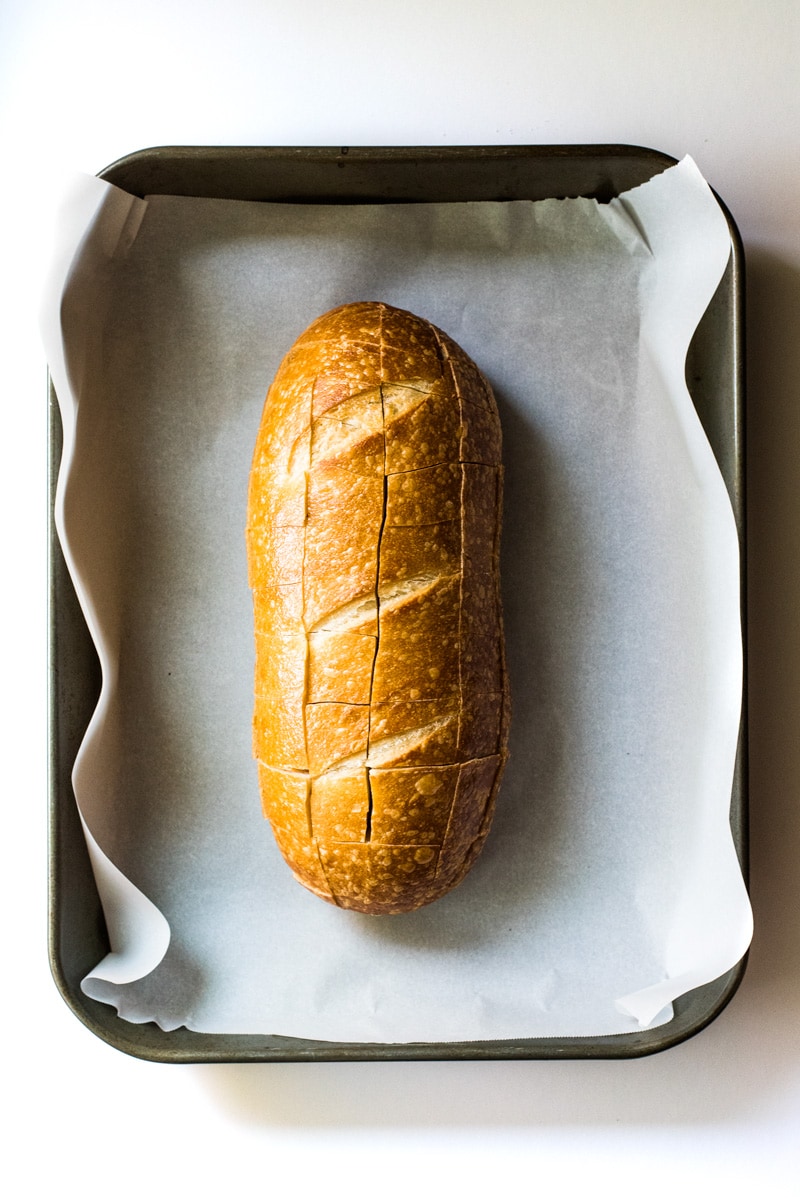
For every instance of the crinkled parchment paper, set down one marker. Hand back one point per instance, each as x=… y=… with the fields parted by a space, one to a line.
x=609 y=884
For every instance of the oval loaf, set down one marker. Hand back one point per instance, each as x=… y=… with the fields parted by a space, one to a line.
x=381 y=697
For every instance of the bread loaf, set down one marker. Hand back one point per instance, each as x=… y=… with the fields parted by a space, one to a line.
x=381 y=697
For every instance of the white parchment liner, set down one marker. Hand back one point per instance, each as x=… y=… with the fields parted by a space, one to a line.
x=609 y=884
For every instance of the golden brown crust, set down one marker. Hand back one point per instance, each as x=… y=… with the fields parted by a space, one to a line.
x=381 y=694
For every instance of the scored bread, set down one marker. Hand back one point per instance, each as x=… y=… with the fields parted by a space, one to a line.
x=373 y=530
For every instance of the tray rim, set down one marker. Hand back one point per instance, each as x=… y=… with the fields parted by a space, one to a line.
x=692 y=1012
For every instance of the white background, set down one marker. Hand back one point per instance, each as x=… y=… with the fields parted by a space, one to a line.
x=87 y=81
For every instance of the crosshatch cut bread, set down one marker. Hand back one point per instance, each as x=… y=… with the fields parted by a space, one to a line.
x=381 y=694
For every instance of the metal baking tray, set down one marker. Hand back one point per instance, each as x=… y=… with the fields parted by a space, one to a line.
x=352 y=175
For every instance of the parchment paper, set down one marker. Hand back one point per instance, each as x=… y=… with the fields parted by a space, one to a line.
x=609 y=884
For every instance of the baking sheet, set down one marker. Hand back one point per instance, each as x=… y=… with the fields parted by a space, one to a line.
x=609 y=884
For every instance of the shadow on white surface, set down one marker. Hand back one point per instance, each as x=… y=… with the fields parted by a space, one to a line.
x=747 y=1060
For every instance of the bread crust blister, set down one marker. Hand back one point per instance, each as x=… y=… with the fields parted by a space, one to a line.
x=381 y=693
